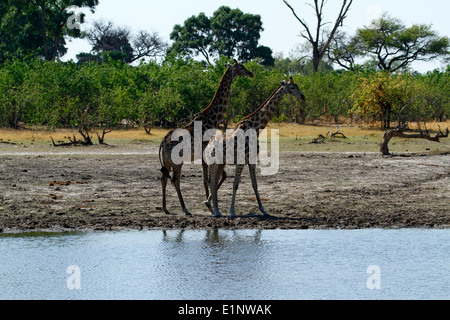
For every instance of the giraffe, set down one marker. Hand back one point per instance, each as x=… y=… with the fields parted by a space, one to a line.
x=210 y=118
x=257 y=121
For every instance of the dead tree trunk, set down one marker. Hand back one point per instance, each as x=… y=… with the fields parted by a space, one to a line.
x=318 y=38
x=74 y=142
x=148 y=127
x=101 y=139
x=399 y=132
x=87 y=138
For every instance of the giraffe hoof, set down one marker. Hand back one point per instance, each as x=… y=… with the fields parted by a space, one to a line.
x=208 y=205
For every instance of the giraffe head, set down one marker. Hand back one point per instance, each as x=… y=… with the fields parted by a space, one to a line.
x=238 y=70
x=291 y=88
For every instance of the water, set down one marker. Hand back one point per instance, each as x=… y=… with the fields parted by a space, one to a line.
x=245 y=264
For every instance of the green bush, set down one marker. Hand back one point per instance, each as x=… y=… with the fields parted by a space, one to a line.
x=57 y=94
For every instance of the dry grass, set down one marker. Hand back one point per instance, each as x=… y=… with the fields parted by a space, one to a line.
x=297 y=130
x=43 y=135
x=293 y=137
x=433 y=126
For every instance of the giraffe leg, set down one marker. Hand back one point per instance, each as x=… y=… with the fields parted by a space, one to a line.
x=237 y=179
x=215 y=170
x=252 y=169
x=205 y=184
x=165 y=175
x=209 y=197
x=176 y=179
x=224 y=177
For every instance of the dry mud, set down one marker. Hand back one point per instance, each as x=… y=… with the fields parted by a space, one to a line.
x=98 y=188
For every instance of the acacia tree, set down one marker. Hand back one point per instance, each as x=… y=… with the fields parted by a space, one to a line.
x=320 y=40
x=389 y=45
x=229 y=32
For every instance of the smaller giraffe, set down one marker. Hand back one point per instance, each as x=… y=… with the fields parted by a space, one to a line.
x=257 y=121
x=210 y=118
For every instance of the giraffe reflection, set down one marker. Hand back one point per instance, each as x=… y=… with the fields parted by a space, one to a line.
x=214 y=237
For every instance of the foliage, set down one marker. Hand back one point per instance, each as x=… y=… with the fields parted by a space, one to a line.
x=229 y=32
x=404 y=97
x=37 y=27
x=389 y=45
x=171 y=92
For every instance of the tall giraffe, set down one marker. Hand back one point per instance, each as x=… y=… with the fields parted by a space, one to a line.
x=257 y=121
x=210 y=118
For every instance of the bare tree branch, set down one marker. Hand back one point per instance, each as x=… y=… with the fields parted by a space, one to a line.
x=321 y=42
x=148 y=45
x=302 y=22
x=106 y=37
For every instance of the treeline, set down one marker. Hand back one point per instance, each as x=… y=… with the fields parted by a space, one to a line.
x=169 y=93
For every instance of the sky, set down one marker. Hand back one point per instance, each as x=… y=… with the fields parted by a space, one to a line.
x=281 y=29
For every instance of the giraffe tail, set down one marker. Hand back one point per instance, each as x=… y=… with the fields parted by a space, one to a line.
x=163 y=169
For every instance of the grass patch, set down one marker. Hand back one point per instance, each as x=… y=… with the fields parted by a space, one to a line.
x=42 y=136
x=293 y=137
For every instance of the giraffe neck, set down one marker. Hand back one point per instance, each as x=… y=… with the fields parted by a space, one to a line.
x=212 y=116
x=258 y=120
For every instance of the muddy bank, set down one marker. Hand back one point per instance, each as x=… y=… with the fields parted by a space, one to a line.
x=119 y=188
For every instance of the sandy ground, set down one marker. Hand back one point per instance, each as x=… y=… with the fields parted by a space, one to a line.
x=119 y=188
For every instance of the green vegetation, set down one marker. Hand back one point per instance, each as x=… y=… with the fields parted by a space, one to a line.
x=105 y=90
x=56 y=94
x=388 y=45
x=229 y=32
x=38 y=28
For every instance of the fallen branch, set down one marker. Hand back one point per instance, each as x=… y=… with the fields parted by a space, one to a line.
x=331 y=134
x=320 y=139
x=74 y=142
x=87 y=138
x=86 y=142
x=63 y=144
x=6 y=142
x=399 y=132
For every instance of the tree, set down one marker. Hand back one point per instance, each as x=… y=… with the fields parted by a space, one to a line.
x=229 y=32
x=108 y=40
x=38 y=27
x=383 y=97
x=320 y=40
x=390 y=45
